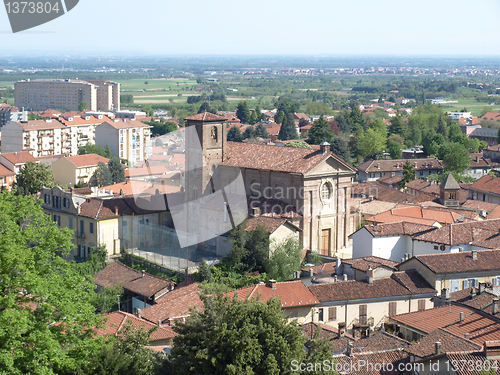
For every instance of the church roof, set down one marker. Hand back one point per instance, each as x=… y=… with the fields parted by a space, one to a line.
x=276 y=158
x=206 y=117
x=450 y=183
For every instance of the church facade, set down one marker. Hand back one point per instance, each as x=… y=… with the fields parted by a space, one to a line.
x=310 y=187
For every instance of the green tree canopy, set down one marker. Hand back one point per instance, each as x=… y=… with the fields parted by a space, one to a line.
x=408 y=173
x=242 y=112
x=297 y=144
x=83 y=105
x=394 y=149
x=102 y=176
x=340 y=147
x=319 y=132
x=237 y=337
x=90 y=148
x=455 y=157
x=234 y=134
x=284 y=260
x=261 y=131
x=45 y=309
x=288 y=129
x=32 y=178
x=117 y=171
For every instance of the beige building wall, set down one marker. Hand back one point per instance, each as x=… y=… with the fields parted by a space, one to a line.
x=301 y=314
x=55 y=94
x=64 y=172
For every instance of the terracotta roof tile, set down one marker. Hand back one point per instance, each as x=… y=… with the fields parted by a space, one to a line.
x=175 y=304
x=395 y=357
x=269 y=223
x=408 y=214
x=116 y=321
x=291 y=293
x=479 y=205
x=387 y=194
x=466 y=358
x=399 y=284
x=117 y=273
x=461 y=261
x=276 y=158
x=41 y=125
x=425 y=347
x=206 y=117
x=4 y=171
x=20 y=157
x=488 y=184
x=88 y=160
x=364 y=263
x=396 y=165
x=398 y=228
x=126 y=124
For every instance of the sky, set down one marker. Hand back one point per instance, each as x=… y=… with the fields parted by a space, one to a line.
x=265 y=27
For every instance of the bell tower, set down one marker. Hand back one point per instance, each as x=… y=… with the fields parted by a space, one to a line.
x=205 y=149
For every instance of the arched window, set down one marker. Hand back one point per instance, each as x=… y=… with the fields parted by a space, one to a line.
x=214 y=133
x=326 y=191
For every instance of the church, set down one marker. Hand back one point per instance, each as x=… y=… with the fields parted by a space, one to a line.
x=309 y=187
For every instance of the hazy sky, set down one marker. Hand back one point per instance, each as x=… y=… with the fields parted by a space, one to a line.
x=271 y=27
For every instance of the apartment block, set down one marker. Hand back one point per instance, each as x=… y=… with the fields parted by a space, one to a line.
x=39 y=95
x=127 y=139
x=108 y=94
x=39 y=137
x=77 y=169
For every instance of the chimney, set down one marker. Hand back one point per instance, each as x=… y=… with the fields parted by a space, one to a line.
x=482 y=287
x=462 y=317
x=143 y=273
x=369 y=276
x=272 y=284
x=477 y=159
x=121 y=191
x=256 y=212
x=159 y=323
x=338 y=265
x=467 y=335
x=324 y=147
x=474 y=254
x=438 y=347
x=445 y=294
x=311 y=272
x=473 y=292
x=345 y=277
x=350 y=348
x=139 y=313
x=495 y=306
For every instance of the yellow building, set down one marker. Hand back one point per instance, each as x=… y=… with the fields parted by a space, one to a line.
x=78 y=169
x=118 y=222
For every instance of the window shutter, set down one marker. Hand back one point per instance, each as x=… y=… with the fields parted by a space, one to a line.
x=421 y=304
x=362 y=314
x=332 y=313
x=392 y=308
x=465 y=284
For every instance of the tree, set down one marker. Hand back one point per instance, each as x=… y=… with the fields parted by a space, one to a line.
x=45 y=310
x=234 y=134
x=248 y=133
x=242 y=112
x=288 y=129
x=254 y=117
x=126 y=99
x=116 y=170
x=204 y=272
x=394 y=149
x=32 y=178
x=102 y=176
x=397 y=126
x=320 y=132
x=83 y=106
x=455 y=157
x=340 y=147
x=371 y=144
x=284 y=260
x=356 y=118
x=498 y=137
x=261 y=131
x=297 y=144
x=236 y=337
x=408 y=173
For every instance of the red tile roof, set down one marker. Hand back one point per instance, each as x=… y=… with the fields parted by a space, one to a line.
x=491 y=116
x=291 y=293
x=156 y=170
x=364 y=263
x=425 y=347
x=269 y=223
x=372 y=166
x=115 y=322
x=384 y=193
x=461 y=261
x=479 y=205
x=117 y=273
x=6 y=171
x=378 y=362
x=20 y=157
x=488 y=184
x=399 y=284
x=443 y=215
x=175 y=304
x=126 y=124
x=41 y=125
x=82 y=120
x=206 y=117
x=398 y=228
x=88 y=160
x=276 y=158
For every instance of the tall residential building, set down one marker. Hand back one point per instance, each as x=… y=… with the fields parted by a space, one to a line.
x=9 y=113
x=67 y=94
x=127 y=139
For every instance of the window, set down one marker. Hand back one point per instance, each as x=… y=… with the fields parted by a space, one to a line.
x=57 y=219
x=66 y=202
x=91 y=227
x=470 y=283
x=332 y=314
x=70 y=223
x=436 y=247
x=496 y=281
x=47 y=199
x=326 y=191
x=393 y=308
x=320 y=315
x=421 y=304
x=363 y=312
x=81 y=251
x=82 y=227
x=454 y=285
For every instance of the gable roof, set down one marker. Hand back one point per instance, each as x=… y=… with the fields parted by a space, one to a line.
x=4 y=171
x=460 y=262
x=176 y=303
x=271 y=224
x=481 y=233
x=484 y=132
x=364 y=263
x=88 y=160
x=276 y=158
x=449 y=183
x=396 y=165
x=450 y=342
x=19 y=157
x=399 y=284
x=125 y=124
x=117 y=273
x=291 y=293
x=422 y=214
x=488 y=184
x=115 y=322
x=398 y=228
x=205 y=117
